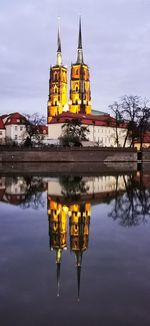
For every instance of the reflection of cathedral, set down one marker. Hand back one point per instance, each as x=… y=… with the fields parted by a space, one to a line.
x=71 y=198
x=69 y=202
x=79 y=220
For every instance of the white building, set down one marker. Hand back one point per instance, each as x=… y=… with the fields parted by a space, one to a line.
x=13 y=127
x=102 y=128
x=2 y=132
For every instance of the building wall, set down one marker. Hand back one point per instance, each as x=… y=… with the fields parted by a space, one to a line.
x=16 y=132
x=104 y=136
x=57 y=91
x=93 y=185
x=2 y=136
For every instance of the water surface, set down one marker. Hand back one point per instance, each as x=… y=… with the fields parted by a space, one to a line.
x=75 y=250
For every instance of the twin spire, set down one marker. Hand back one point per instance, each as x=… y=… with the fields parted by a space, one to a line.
x=59 y=53
x=79 y=51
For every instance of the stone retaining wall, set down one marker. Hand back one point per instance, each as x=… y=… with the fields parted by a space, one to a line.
x=146 y=155
x=70 y=155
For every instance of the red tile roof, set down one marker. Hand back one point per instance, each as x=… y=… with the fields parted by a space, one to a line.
x=42 y=129
x=16 y=119
x=2 y=126
x=87 y=119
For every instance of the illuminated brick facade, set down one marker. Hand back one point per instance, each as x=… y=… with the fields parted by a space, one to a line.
x=57 y=86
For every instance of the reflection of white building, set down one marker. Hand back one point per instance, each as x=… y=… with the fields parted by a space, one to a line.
x=93 y=185
x=15 y=190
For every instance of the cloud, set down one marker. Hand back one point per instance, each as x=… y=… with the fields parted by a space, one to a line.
x=116 y=47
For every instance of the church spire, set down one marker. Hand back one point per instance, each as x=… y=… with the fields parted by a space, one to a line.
x=59 y=53
x=80 y=49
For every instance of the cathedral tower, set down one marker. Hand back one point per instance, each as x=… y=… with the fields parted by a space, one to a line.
x=57 y=85
x=80 y=94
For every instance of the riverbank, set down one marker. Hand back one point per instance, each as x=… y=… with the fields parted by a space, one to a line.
x=60 y=155
x=76 y=168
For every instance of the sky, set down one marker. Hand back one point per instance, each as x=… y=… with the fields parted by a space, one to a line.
x=116 y=43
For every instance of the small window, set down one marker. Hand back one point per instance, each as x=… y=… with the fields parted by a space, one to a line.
x=77 y=72
x=18 y=120
x=76 y=102
x=15 y=127
x=1 y=133
x=15 y=136
x=21 y=128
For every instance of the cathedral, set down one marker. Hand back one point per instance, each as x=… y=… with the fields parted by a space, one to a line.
x=80 y=94
x=61 y=109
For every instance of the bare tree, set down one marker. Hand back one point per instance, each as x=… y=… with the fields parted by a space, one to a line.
x=33 y=134
x=116 y=109
x=144 y=123
x=135 y=113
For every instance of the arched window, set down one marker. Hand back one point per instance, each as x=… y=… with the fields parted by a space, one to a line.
x=77 y=72
x=55 y=103
x=55 y=76
x=76 y=102
x=77 y=89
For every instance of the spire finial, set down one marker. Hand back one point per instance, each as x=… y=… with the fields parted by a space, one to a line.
x=58 y=40
x=80 y=50
x=58 y=262
x=80 y=35
x=59 y=54
x=58 y=279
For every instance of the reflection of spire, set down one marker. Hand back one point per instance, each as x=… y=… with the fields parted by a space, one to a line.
x=58 y=262
x=59 y=54
x=80 y=50
x=78 y=262
x=58 y=279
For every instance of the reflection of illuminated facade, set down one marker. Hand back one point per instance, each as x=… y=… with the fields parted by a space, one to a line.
x=79 y=220
x=79 y=233
x=57 y=232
